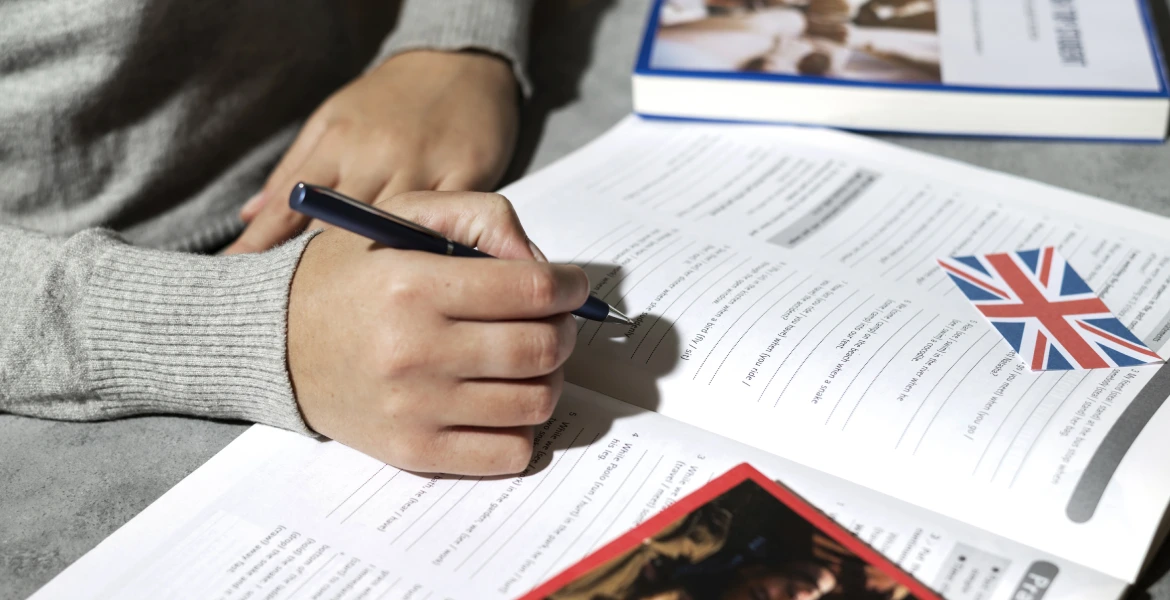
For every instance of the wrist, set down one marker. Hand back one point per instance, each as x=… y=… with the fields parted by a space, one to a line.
x=482 y=65
x=498 y=26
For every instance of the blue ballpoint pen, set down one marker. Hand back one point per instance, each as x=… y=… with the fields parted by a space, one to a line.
x=389 y=230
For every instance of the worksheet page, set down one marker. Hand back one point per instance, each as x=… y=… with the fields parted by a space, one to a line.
x=785 y=294
x=280 y=516
x=879 y=209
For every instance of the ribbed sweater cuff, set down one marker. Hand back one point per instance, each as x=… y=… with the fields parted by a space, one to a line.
x=496 y=26
x=169 y=332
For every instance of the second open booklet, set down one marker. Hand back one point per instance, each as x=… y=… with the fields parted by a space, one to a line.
x=792 y=315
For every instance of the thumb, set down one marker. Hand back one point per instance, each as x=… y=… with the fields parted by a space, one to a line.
x=275 y=222
x=483 y=221
x=272 y=226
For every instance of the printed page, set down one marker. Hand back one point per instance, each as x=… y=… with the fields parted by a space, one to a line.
x=277 y=515
x=756 y=259
x=875 y=208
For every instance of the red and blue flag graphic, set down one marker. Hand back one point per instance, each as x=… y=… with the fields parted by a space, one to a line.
x=1049 y=315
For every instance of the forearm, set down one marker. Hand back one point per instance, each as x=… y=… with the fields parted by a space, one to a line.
x=96 y=328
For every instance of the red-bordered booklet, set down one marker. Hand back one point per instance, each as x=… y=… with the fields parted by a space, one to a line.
x=740 y=536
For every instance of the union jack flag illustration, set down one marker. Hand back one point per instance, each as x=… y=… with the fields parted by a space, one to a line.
x=1048 y=314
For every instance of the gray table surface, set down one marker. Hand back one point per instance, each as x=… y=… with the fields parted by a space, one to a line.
x=66 y=486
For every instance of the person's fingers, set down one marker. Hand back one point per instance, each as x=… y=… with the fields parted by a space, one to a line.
x=267 y=230
x=464 y=181
x=504 y=402
x=476 y=219
x=478 y=289
x=361 y=184
x=479 y=451
x=536 y=252
x=405 y=179
x=276 y=222
x=251 y=207
x=509 y=350
x=300 y=150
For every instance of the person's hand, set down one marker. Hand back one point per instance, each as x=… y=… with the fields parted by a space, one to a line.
x=419 y=121
x=432 y=363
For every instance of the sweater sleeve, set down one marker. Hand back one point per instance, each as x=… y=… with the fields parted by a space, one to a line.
x=96 y=328
x=496 y=26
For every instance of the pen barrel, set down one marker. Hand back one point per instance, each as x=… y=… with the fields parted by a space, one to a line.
x=594 y=309
x=354 y=219
x=467 y=251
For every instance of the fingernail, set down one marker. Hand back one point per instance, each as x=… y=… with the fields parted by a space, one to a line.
x=536 y=252
x=252 y=203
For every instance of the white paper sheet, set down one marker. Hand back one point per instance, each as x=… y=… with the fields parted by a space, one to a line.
x=788 y=297
x=276 y=515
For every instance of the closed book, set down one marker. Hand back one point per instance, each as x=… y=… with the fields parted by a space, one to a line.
x=1062 y=69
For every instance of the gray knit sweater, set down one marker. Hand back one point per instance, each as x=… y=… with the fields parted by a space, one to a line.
x=131 y=131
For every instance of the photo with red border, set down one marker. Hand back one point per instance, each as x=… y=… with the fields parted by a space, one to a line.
x=741 y=536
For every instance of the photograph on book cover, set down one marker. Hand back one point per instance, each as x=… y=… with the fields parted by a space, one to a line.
x=879 y=40
x=740 y=536
x=1062 y=46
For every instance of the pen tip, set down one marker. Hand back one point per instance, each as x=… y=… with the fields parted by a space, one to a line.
x=616 y=316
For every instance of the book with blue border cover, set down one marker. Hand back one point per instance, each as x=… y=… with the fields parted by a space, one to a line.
x=1041 y=69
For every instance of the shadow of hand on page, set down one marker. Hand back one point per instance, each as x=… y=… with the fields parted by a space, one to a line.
x=623 y=361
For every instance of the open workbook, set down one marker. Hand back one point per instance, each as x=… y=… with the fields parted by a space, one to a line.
x=791 y=315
